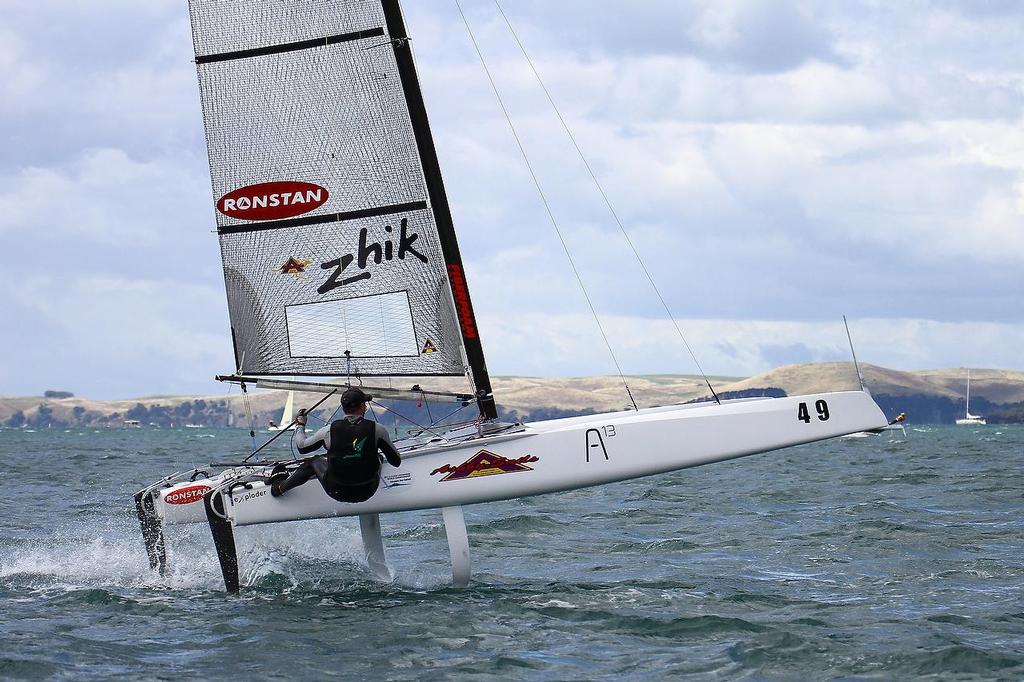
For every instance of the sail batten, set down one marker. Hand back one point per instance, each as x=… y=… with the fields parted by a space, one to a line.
x=289 y=47
x=337 y=242
x=414 y=393
x=329 y=218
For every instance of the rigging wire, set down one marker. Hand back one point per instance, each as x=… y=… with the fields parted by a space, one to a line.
x=604 y=196
x=426 y=404
x=402 y=416
x=454 y=412
x=294 y=421
x=251 y=416
x=445 y=418
x=372 y=412
x=310 y=416
x=544 y=200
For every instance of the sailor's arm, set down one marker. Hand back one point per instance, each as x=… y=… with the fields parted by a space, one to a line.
x=307 y=444
x=385 y=445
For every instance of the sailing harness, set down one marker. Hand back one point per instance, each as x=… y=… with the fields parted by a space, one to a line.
x=353 y=465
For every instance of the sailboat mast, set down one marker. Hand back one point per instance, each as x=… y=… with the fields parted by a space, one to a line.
x=968 y=408
x=442 y=210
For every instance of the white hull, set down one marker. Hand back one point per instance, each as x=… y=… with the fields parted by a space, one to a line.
x=551 y=456
x=972 y=421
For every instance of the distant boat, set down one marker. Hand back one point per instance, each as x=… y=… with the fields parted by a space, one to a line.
x=193 y=426
x=132 y=424
x=895 y=425
x=970 y=419
x=286 y=415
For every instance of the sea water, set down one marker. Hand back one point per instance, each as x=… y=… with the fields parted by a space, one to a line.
x=883 y=557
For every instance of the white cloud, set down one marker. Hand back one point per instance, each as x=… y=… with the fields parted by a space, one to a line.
x=570 y=344
x=19 y=78
x=747 y=35
x=115 y=75
x=114 y=334
x=103 y=196
x=771 y=161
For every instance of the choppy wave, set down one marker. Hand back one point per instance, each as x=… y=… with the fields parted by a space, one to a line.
x=866 y=559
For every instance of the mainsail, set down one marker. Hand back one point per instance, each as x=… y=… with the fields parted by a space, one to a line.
x=339 y=250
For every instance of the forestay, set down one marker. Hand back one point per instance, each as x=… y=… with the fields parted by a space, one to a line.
x=328 y=197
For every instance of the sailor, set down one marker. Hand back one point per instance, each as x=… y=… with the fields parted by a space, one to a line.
x=350 y=471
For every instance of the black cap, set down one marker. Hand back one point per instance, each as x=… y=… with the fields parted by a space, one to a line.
x=354 y=397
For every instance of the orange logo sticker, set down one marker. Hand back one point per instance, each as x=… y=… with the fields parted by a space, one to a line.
x=294 y=266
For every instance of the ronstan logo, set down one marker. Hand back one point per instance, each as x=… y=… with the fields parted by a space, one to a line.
x=188 y=495
x=273 y=200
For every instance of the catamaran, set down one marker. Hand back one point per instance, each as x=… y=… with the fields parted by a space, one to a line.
x=968 y=418
x=341 y=265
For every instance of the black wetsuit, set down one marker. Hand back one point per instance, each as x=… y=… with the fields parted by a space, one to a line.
x=350 y=471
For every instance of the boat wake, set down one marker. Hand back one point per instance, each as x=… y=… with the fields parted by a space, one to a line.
x=318 y=554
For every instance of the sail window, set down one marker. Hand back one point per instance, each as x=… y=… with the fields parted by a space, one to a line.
x=368 y=327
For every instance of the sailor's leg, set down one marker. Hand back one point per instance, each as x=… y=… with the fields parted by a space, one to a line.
x=458 y=544
x=223 y=532
x=306 y=471
x=319 y=464
x=373 y=545
x=152 y=531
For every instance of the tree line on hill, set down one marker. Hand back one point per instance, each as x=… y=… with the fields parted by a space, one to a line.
x=922 y=409
x=210 y=413
x=400 y=417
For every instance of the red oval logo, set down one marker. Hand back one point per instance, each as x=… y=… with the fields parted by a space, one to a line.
x=188 y=495
x=273 y=200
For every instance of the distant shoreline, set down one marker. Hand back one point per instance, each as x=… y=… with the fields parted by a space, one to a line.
x=927 y=396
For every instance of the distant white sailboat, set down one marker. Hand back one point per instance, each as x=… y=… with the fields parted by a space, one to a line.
x=286 y=416
x=970 y=419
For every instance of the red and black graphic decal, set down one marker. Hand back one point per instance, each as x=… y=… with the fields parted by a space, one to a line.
x=294 y=266
x=485 y=463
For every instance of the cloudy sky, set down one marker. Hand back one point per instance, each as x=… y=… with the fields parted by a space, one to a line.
x=777 y=163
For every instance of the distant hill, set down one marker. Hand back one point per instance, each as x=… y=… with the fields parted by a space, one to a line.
x=928 y=396
x=993 y=385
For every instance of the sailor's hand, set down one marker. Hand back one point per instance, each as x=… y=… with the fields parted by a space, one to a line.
x=300 y=418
